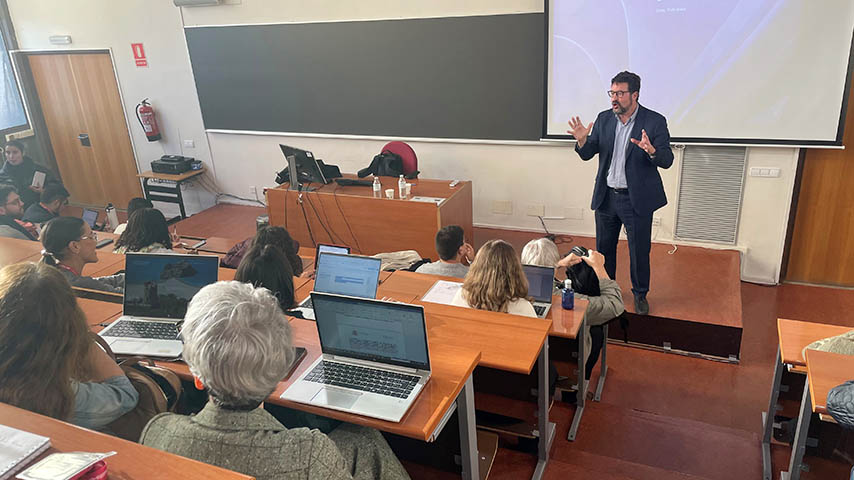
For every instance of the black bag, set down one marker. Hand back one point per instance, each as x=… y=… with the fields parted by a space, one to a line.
x=386 y=164
x=584 y=279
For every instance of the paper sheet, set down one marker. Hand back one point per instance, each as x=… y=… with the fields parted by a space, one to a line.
x=442 y=292
x=436 y=200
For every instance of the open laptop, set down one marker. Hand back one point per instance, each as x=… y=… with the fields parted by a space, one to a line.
x=329 y=248
x=375 y=359
x=540 y=284
x=158 y=288
x=352 y=275
x=90 y=217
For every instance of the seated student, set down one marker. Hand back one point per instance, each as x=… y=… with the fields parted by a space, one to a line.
x=69 y=244
x=496 y=282
x=267 y=267
x=53 y=198
x=542 y=252
x=19 y=170
x=135 y=203
x=11 y=211
x=602 y=306
x=281 y=239
x=49 y=363
x=147 y=232
x=238 y=345
x=453 y=251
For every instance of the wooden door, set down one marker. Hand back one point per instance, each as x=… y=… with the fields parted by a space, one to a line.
x=822 y=246
x=79 y=95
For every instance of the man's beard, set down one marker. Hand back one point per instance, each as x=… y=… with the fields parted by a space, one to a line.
x=620 y=109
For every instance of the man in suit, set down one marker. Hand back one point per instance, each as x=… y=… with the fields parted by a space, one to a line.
x=632 y=143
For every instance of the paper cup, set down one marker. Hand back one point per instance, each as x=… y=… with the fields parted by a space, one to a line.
x=389 y=193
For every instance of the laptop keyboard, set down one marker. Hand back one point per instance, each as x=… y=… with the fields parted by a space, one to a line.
x=306 y=303
x=540 y=309
x=365 y=379
x=144 y=329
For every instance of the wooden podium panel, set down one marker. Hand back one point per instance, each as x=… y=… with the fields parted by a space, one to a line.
x=352 y=216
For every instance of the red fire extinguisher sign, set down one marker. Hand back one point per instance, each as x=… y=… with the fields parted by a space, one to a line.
x=139 y=55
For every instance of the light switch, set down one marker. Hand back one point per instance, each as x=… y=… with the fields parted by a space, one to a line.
x=189 y=144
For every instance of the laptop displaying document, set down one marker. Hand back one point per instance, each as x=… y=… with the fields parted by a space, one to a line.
x=329 y=248
x=540 y=285
x=375 y=359
x=158 y=288
x=345 y=275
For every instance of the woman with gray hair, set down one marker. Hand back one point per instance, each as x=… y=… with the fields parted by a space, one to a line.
x=238 y=345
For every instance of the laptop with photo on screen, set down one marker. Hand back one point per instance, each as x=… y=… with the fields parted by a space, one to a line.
x=158 y=288
x=375 y=358
x=541 y=282
x=329 y=248
x=352 y=275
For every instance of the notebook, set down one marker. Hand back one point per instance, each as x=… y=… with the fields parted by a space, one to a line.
x=540 y=285
x=352 y=275
x=18 y=448
x=375 y=358
x=158 y=288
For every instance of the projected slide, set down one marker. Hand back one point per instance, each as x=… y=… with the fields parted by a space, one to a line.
x=723 y=69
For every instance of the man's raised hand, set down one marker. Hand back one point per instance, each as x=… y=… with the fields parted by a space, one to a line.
x=578 y=130
x=644 y=143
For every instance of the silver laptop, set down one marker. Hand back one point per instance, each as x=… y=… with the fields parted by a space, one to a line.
x=343 y=274
x=158 y=288
x=375 y=360
x=541 y=281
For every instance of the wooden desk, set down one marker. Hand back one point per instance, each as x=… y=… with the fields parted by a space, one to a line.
x=793 y=336
x=450 y=384
x=170 y=189
x=507 y=342
x=824 y=371
x=131 y=460
x=219 y=245
x=351 y=216
x=13 y=250
x=108 y=263
x=98 y=312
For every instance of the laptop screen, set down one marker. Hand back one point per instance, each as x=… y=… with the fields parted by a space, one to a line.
x=161 y=286
x=347 y=275
x=385 y=332
x=90 y=217
x=327 y=248
x=540 y=282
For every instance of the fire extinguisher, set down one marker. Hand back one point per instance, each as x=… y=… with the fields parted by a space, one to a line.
x=145 y=115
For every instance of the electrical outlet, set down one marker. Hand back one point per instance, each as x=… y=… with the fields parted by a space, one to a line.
x=189 y=144
x=656 y=221
x=502 y=207
x=534 y=210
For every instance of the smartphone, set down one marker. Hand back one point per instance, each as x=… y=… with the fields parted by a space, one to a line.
x=103 y=242
x=301 y=352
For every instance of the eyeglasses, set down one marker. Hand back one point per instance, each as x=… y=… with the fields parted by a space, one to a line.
x=93 y=236
x=618 y=93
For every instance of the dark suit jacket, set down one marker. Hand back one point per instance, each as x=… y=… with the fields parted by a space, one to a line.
x=645 y=189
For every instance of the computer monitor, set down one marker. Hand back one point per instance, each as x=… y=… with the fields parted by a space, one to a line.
x=540 y=282
x=329 y=248
x=162 y=285
x=90 y=217
x=302 y=168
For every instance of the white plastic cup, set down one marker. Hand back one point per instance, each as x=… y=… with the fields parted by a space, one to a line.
x=408 y=190
x=389 y=193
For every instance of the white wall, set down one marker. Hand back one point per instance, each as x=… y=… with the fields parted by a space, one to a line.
x=547 y=175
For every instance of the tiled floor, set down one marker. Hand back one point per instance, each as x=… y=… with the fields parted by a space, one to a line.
x=662 y=416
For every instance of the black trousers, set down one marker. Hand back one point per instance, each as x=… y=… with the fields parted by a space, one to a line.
x=615 y=212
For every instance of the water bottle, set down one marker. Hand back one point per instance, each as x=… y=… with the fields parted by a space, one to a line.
x=378 y=188
x=112 y=218
x=567 y=300
x=401 y=188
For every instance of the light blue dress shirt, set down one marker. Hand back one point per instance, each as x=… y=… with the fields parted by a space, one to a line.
x=617 y=170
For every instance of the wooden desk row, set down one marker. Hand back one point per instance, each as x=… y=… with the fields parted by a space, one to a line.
x=822 y=371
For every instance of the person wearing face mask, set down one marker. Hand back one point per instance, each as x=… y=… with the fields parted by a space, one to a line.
x=632 y=143
x=19 y=170
x=69 y=244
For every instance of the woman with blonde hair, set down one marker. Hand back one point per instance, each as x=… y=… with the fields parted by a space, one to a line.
x=49 y=364
x=496 y=282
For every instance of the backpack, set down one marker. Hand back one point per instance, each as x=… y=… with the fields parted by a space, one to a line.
x=385 y=164
x=159 y=390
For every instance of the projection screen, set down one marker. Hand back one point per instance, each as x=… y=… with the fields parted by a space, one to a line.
x=721 y=71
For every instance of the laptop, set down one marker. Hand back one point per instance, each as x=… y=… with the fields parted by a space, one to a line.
x=352 y=275
x=540 y=284
x=329 y=248
x=90 y=217
x=158 y=288
x=375 y=359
